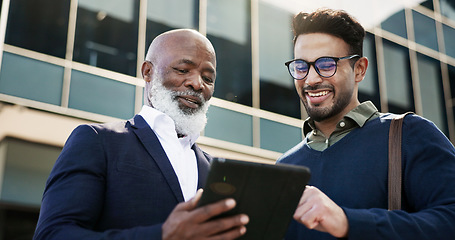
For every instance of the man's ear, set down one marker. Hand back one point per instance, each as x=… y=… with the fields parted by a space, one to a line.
x=147 y=71
x=360 y=69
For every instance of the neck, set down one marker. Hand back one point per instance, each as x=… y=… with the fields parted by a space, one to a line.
x=328 y=125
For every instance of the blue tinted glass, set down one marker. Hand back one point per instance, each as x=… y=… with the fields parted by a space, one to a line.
x=277 y=91
x=425 y=30
x=452 y=80
x=369 y=86
x=101 y=95
x=40 y=26
x=398 y=78
x=107 y=35
x=279 y=137
x=229 y=30
x=229 y=126
x=32 y=79
x=449 y=36
x=162 y=16
x=26 y=170
x=396 y=24
x=325 y=64
x=433 y=104
x=300 y=66
x=448 y=8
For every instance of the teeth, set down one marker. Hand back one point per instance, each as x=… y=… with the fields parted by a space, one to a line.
x=191 y=100
x=318 y=94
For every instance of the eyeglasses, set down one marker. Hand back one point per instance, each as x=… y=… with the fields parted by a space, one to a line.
x=324 y=66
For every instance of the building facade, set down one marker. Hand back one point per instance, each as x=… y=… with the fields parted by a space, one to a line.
x=70 y=62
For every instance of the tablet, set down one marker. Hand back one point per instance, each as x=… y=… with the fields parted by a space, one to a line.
x=267 y=193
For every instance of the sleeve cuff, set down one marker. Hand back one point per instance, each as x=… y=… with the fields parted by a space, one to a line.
x=361 y=224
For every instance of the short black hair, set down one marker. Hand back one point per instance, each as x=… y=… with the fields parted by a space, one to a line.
x=337 y=23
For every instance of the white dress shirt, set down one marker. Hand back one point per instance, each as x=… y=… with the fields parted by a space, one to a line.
x=178 y=150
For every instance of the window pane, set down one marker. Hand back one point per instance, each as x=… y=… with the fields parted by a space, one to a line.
x=227 y=125
x=425 y=30
x=40 y=81
x=433 y=103
x=448 y=8
x=18 y=222
x=162 y=16
x=278 y=93
x=27 y=166
x=449 y=36
x=398 y=78
x=428 y=4
x=228 y=28
x=396 y=24
x=101 y=95
x=452 y=80
x=369 y=87
x=44 y=31
x=106 y=34
x=279 y=137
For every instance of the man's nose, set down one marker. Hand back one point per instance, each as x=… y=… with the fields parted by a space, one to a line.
x=313 y=77
x=194 y=81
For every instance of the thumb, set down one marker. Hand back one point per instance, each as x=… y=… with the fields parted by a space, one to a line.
x=194 y=201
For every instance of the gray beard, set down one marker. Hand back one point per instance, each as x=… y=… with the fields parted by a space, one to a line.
x=187 y=121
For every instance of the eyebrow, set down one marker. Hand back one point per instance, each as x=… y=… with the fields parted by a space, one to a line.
x=190 y=62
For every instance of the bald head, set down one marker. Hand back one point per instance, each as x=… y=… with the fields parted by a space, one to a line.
x=182 y=60
x=179 y=37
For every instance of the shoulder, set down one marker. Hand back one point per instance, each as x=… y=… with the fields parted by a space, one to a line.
x=96 y=132
x=292 y=154
x=100 y=128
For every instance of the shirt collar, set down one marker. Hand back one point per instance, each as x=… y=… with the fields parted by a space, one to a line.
x=359 y=115
x=159 y=120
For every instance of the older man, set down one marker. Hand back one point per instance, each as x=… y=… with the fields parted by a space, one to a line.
x=138 y=179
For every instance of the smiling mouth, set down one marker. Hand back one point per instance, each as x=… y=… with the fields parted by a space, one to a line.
x=190 y=102
x=318 y=94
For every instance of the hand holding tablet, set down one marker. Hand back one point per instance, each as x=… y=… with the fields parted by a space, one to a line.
x=267 y=193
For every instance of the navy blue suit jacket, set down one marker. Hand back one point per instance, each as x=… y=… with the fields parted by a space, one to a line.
x=112 y=181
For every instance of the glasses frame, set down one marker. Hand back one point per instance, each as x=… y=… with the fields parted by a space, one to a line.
x=336 y=59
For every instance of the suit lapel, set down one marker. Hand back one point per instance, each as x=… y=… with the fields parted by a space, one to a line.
x=154 y=148
x=203 y=166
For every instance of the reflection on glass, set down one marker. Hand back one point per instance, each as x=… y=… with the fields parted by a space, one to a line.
x=88 y=93
x=228 y=28
x=425 y=30
x=448 y=8
x=106 y=34
x=279 y=137
x=398 y=78
x=275 y=47
x=26 y=167
x=452 y=80
x=170 y=14
x=449 y=36
x=41 y=81
x=369 y=88
x=431 y=91
x=228 y=125
x=44 y=31
x=428 y=4
x=396 y=24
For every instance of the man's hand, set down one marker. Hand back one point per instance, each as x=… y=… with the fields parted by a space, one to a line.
x=319 y=212
x=188 y=222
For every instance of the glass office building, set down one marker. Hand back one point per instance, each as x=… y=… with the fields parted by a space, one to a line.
x=70 y=62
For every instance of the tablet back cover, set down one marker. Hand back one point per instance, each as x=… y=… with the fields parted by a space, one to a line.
x=267 y=193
